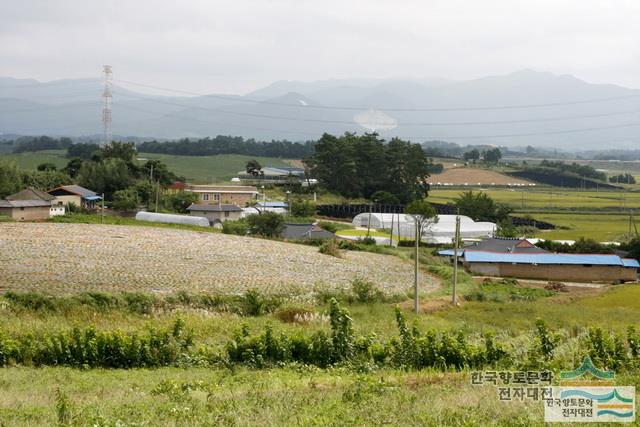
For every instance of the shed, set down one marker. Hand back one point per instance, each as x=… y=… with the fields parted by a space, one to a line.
x=550 y=266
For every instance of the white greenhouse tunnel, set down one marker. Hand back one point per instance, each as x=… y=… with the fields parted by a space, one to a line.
x=442 y=231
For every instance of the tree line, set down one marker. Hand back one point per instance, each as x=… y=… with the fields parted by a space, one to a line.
x=229 y=145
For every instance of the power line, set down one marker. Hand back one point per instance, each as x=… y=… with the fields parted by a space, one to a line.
x=358 y=108
x=350 y=122
x=51 y=107
x=54 y=83
x=314 y=135
x=431 y=137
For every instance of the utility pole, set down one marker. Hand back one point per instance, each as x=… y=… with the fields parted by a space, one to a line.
x=391 y=236
x=157 y=194
x=106 y=105
x=416 y=305
x=454 y=299
x=369 y=224
x=102 y=211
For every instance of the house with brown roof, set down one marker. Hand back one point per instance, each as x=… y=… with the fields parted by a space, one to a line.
x=79 y=196
x=30 y=204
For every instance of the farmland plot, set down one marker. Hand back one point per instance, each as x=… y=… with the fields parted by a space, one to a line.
x=79 y=257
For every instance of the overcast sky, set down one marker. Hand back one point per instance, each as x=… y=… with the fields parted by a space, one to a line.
x=237 y=46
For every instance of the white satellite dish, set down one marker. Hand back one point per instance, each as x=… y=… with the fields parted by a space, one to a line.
x=375 y=120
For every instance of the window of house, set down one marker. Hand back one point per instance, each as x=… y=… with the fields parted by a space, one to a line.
x=226 y=214
x=216 y=197
x=205 y=197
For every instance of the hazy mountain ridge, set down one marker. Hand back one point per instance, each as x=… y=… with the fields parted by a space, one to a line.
x=284 y=110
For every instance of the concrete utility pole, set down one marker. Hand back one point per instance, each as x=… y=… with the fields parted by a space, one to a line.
x=416 y=305
x=454 y=299
x=102 y=211
x=369 y=224
x=157 y=193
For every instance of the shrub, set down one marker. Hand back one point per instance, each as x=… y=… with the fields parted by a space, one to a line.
x=294 y=313
x=367 y=240
x=366 y=291
x=239 y=227
x=253 y=303
x=302 y=208
x=268 y=224
x=330 y=248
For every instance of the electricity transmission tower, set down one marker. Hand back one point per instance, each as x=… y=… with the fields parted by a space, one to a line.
x=106 y=105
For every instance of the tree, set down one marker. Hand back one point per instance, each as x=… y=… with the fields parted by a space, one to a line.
x=119 y=150
x=268 y=224
x=334 y=166
x=82 y=150
x=125 y=200
x=73 y=167
x=107 y=176
x=481 y=207
x=385 y=198
x=157 y=170
x=424 y=215
x=472 y=155
x=302 y=208
x=10 y=179
x=47 y=166
x=633 y=246
x=45 y=180
x=179 y=202
x=253 y=167
x=492 y=156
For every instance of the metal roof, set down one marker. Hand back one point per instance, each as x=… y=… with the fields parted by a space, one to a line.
x=630 y=262
x=273 y=204
x=31 y=193
x=77 y=190
x=305 y=231
x=544 y=258
x=24 y=203
x=214 y=208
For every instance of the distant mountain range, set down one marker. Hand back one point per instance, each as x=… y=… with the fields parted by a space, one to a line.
x=522 y=108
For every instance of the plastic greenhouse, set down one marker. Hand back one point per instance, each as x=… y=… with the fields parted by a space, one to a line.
x=441 y=232
x=172 y=219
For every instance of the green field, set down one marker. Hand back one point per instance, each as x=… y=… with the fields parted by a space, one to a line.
x=198 y=169
x=601 y=227
x=526 y=199
x=207 y=169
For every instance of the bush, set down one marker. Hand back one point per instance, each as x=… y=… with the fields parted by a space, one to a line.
x=330 y=248
x=239 y=227
x=366 y=291
x=268 y=224
x=253 y=303
x=302 y=208
x=367 y=240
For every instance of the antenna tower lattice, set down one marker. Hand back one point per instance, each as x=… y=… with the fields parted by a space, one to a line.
x=106 y=105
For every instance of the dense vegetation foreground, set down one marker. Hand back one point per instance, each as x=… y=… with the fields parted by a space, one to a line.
x=349 y=357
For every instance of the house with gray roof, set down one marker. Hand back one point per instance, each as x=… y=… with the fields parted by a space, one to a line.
x=30 y=204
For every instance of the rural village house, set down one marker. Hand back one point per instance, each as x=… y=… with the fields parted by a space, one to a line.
x=224 y=194
x=30 y=204
x=77 y=195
